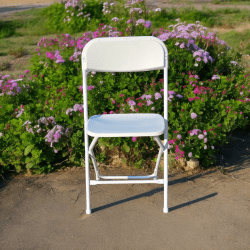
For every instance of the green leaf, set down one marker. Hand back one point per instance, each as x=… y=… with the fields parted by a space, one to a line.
x=18 y=168
x=29 y=165
x=9 y=107
x=136 y=151
x=1 y=126
x=28 y=149
x=72 y=158
x=65 y=153
x=125 y=148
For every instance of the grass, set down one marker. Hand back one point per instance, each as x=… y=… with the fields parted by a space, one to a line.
x=21 y=31
x=240 y=40
x=5 y=66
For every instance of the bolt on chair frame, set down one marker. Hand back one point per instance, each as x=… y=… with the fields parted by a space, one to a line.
x=125 y=54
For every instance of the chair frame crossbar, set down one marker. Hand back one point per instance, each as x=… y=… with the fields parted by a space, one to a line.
x=130 y=177
x=147 y=179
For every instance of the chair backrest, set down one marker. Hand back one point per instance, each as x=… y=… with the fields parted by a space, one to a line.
x=124 y=54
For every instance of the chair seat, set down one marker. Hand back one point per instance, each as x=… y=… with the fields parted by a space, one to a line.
x=126 y=125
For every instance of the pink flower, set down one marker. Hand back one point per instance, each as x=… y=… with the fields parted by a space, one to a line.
x=157 y=95
x=201 y=136
x=193 y=115
x=171 y=142
x=148 y=24
x=91 y=87
x=179 y=136
x=182 y=45
x=134 y=139
x=131 y=103
x=57 y=135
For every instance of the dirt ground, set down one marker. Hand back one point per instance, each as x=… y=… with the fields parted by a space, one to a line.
x=208 y=209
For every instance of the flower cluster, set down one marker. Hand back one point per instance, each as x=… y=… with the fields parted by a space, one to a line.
x=75 y=10
x=55 y=56
x=10 y=86
x=171 y=95
x=77 y=107
x=20 y=112
x=191 y=33
x=52 y=135
x=201 y=135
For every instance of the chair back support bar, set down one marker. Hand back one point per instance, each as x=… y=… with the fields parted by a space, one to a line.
x=125 y=54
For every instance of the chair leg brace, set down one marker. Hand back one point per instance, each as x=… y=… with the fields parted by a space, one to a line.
x=98 y=176
x=128 y=179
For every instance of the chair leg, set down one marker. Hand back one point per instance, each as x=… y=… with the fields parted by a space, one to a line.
x=158 y=140
x=91 y=153
x=165 y=208
x=88 y=207
x=162 y=148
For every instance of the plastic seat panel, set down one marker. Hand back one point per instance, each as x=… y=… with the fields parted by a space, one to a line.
x=126 y=125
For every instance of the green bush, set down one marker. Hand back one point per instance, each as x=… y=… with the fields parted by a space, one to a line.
x=8 y=28
x=41 y=114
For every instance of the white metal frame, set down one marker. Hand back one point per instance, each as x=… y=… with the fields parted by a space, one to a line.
x=90 y=63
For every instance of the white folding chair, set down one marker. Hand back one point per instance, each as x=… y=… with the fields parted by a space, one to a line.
x=125 y=54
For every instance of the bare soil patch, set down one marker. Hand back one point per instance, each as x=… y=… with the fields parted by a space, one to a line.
x=207 y=210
